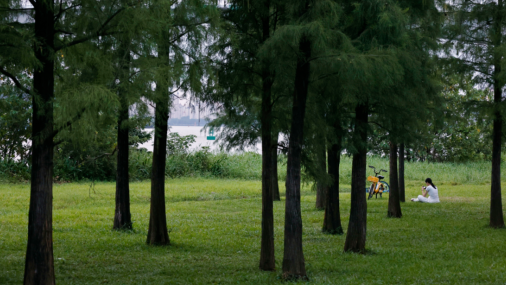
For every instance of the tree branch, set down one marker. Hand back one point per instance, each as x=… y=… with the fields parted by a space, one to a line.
x=60 y=13
x=63 y=32
x=16 y=81
x=69 y=123
x=98 y=33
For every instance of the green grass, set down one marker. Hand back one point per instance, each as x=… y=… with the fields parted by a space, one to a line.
x=447 y=173
x=215 y=235
x=245 y=166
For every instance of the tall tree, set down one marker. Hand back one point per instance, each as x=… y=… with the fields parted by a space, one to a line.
x=300 y=46
x=157 y=231
x=476 y=31
x=394 y=206
x=245 y=88
x=332 y=219
x=267 y=261
x=122 y=215
x=293 y=259
x=274 y=159
x=321 y=188
x=178 y=33
x=402 y=186
x=46 y=31
x=357 y=226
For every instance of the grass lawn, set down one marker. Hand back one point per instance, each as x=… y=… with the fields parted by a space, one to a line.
x=215 y=235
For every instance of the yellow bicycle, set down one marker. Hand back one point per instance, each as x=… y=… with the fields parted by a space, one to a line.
x=377 y=185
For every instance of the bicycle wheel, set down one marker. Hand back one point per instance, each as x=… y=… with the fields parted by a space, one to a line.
x=387 y=187
x=371 y=191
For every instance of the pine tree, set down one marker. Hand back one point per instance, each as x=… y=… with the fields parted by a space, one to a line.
x=47 y=32
x=357 y=226
x=245 y=88
x=172 y=26
x=475 y=31
x=402 y=186
x=311 y=44
x=332 y=219
x=394 y=206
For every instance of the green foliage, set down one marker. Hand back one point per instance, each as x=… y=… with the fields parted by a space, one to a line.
x=177 y=144
x=15 y=126
x=215 y=226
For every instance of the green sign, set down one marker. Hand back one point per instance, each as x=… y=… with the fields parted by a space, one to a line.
x=211 y=136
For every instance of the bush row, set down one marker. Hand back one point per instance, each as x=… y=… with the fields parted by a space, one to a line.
x=202 y=163
x=248 y=165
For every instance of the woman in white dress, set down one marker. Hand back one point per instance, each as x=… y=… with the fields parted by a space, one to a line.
x=430 y=190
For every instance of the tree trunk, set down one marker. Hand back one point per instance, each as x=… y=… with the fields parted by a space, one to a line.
x=274 y=158
x=332 y=219
x=394 y=205
x=267 y=260
x=122 y=217
x=321 y=188
x=496 y=214
x=293 y=258
x=157 y=232
x=39 y=263
x=402 y=186
x=357 y=227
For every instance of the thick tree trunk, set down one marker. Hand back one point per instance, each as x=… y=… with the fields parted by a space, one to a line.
x=332 y=219
x=402 y=185
x=274 y=159
x=496 y=214
x=357 y=227
x=394 y=205
x=321 y=188
x=267 y=261
x=293 y=259
x=39 y=263
x=157 y=232
x=122 y=217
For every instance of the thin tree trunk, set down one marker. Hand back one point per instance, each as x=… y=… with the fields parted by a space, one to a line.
x=122 y=217
x=293 y=259
x=274 y=159
x=267 y=260
x=496 y=214
x=394 y=205
x=357 y=227
x=321 y=188
x=402 y=186
x=39 y=262
x=332 y=219
x=157 y=232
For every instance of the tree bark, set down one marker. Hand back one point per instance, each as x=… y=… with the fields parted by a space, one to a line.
x=321 y=188
x=394 y=205
x=402 y=185
x=496 y=214
x=157 y=232
x=332 y=219
x=274 y=159
x=122 y=217
x=39 y=262
x=357 y=227
x=267 y=260
x=293 y=259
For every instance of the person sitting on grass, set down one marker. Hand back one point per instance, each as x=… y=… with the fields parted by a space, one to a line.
x=429 y=190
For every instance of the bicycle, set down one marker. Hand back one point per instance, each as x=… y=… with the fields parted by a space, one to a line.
x=377 y=186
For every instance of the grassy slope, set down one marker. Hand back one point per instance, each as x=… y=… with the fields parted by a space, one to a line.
x=215 y=234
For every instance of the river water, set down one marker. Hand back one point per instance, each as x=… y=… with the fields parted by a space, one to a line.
x=200 y=140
